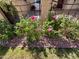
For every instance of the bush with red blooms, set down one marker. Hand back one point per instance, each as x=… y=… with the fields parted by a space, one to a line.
x=58 y=26
x=29 y=28
x=33 y=18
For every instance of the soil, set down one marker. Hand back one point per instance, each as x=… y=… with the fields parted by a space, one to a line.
x=44 y=42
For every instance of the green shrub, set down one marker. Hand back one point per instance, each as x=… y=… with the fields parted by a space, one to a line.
x=59 y=27
x=49 y=30
x=70 y=28
x=63 y=26
x=28 y=28
x=6 y=30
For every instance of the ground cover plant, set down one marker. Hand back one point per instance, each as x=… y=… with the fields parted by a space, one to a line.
x=6 y=30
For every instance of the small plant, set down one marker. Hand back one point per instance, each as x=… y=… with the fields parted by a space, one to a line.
x=49 y=30
x=69 y=28
x=6 y=30
x=29 y=28
x=61 y=26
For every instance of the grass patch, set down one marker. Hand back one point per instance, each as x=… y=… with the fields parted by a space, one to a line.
x=3 y=50
x=36 y=53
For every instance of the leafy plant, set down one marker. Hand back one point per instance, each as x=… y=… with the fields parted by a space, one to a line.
x=29 y=28
x=62 y=26
x=69 y=28
x=6 y=30
x=56 y=27
x=49 y=30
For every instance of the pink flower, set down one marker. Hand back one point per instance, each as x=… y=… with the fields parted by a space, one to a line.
x=55 y=17
x=33 y=18
x=49 y=29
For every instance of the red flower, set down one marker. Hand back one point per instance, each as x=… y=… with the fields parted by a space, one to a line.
x=49 y=29
x=33 y=18
x=55 y=17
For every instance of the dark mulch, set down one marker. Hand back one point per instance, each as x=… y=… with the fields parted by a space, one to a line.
x=44 y=42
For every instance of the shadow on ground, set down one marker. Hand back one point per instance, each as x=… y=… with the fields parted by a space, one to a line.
x=64 y=52
x=3 y=51
x=61 y=53
x=37 y=51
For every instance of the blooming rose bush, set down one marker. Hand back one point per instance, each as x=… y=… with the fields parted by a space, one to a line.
x=50 y=28
x=62 y=26
x=33 y=18
x=58 y=26
x=29 y=28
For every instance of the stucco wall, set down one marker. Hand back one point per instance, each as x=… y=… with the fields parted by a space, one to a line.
x=30 y=1
x=68 y=4
x=21 y=6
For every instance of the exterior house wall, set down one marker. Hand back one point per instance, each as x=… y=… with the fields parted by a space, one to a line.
x=68 y=4
x=30 y=1
x=21 y=6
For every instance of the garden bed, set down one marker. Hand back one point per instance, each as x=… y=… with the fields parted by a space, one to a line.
x=45 y=42
x=56 y=31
